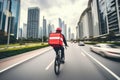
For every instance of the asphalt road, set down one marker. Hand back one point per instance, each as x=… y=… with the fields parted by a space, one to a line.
x=81 y=64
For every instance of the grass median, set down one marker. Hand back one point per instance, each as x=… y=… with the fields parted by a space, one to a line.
x=15 y=51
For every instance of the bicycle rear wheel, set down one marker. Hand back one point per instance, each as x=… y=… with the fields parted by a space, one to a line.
x=57 y=66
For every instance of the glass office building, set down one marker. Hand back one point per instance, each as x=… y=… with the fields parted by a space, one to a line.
x=33 y=22
x=95 y=17
x=109 y=11
x=1 y=10
x=112 y=15
x=8 y=7
x=102 y=17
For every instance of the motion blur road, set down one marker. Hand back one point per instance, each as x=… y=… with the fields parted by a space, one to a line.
x=81 y=64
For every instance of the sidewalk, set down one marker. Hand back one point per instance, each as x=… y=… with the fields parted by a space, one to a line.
x=10 y=62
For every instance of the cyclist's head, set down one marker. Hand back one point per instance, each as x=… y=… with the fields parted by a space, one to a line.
x=58 y=30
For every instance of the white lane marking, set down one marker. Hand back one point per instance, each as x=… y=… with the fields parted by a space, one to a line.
x=13 y=65
x=112 y=73
x=49 y=65
x=9 y=67
x=83 y=54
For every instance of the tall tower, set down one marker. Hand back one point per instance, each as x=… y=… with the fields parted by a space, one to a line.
x=24 y=33
x=33 y=22
x=60 y=22
x=69 y=33
x=44 y=27
x=9 y=16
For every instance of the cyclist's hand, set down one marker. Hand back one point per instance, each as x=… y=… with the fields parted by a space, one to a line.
x=66 y=46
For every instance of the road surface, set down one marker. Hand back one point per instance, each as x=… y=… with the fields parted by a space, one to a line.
x=81 y=64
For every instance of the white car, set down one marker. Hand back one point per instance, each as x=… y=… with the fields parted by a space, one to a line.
x=106 y=50
x=81 y=43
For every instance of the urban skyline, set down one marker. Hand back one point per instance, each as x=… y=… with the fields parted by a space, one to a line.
x=21 y=22
x=53 y=12
x=104 y=17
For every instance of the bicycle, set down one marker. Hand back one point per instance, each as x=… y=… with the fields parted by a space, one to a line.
x=57 y=62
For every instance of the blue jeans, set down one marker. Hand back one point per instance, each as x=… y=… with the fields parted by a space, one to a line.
x=62 y=51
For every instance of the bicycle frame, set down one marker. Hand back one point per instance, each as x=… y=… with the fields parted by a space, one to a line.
x=57 y=62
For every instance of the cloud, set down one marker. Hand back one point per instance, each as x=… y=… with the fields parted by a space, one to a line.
x=73 y=1
x=44 y=4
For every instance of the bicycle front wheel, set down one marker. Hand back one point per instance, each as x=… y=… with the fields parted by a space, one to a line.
x=57 y=67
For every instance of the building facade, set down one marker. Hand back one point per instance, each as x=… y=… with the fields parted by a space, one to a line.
x=49 y=28
x=1 y=13
x=60 y=22
x=113 y=15
x=85 y=26
x=53 y=28
x=44 y=27
x=69 y=33
x=9 y=16
x=65 y=29
x=20 y=33
x=109 y=16
x=33 y=22
x=101 y=18
x=95 y=17
x=24 y=31
x=40 y=32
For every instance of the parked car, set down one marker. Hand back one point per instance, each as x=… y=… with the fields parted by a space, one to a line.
x=81 y=43
x=106 y=50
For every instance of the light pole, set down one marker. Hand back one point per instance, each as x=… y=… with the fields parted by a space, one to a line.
x=8 y=40
x=8 y=15
x=42 y=36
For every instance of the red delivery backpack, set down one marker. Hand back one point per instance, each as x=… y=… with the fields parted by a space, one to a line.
x=55 y=39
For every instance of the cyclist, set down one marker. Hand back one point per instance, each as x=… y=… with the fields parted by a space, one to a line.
x=56 y=48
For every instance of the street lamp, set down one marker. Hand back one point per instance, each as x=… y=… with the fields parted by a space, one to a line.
x=42 y=37
x=8 y=40
x=8 y=15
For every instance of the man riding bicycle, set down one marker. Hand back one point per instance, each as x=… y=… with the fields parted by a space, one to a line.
x=57 y=47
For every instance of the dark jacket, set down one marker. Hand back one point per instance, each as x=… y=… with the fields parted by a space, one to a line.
x=64 y=40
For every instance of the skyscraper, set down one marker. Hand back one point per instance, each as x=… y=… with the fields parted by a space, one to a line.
x=69 y=33
x=24 y=31
x=63 y=27
x=9 y=16
x=109 y=16
x=95 y=17
x=49 y=29
x=44 y=27
x=53 y=28
x=60 y=22
x=33 y=22
x=40 y=32
x=1 y=11
x=84 y=24
x=20 y=33
x=65 y=33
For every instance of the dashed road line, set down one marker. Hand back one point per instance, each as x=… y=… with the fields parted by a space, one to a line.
x=83 y=54
x=49 y=65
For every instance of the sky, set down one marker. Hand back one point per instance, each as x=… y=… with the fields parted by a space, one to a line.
x=68 y=10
